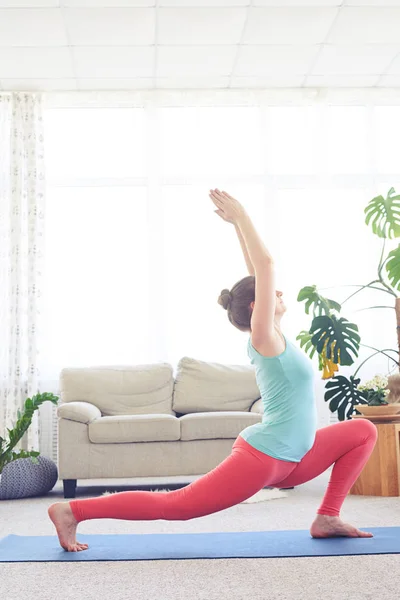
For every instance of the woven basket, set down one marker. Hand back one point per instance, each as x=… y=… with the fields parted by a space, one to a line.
x=22 y=478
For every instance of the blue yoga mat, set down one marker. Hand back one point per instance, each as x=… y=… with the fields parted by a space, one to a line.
x=252 y=544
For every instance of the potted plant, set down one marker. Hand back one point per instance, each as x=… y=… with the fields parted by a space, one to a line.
x=376 y=391
x=14 y=463
x=336 y=340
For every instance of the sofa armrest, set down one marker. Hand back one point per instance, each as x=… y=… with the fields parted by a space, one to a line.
x=82 y=412
x=257 y=407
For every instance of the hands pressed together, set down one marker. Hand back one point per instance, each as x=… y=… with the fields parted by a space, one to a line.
x=228 y=208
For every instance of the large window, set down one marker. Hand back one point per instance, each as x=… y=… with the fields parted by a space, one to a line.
x=136 y=256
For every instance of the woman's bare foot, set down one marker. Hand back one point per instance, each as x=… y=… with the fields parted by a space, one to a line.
x=325 y=526
x=65 y=524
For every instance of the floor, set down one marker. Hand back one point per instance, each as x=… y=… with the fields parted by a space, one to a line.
x=336 y=578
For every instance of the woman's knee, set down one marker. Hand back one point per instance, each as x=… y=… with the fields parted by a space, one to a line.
x=365 y=429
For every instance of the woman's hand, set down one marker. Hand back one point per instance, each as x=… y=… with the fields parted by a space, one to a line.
x=228 y=208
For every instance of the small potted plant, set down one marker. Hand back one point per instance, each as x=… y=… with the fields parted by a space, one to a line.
x=376 y=393
x=22 y=473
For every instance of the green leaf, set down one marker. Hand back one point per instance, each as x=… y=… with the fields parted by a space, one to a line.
x=384 y=215
x=393 y=267
x=343 y=396
x=305 y=342
x=24 y=454
x=339 y=335
x=22 y=425
x=321 y=305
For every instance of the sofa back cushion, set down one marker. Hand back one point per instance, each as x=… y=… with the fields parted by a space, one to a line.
x=204 y=386
x=136 y=390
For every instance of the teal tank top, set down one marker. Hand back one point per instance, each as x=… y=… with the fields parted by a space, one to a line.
x=289 y=422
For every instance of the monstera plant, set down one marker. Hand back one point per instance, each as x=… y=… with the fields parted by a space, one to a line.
x=335 y=339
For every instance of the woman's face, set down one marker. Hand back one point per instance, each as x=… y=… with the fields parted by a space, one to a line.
x=280 y=306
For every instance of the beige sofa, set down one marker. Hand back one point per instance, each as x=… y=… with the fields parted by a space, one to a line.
x=141 y=421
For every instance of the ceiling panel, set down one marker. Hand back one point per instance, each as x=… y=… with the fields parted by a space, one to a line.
x=199 y=44
x=35 y=63
x=366 y=26
x=340 y=81
x=273 y=81
x=200 y=26
x=288 y=25
x=108 y=3
x=389 y=81
x=122 y=62
x=192 y=82
x=358 y=60
x=297 y=2
x=195 y=61
x=394 y=67
x=261 y=61
x=138 y=83
x=28 y=3
x=26 y=85
x=380 y=3
x=110 y=26
x=26 y=27
x=204 y=3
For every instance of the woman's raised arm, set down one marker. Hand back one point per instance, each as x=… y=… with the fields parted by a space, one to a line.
x=262 y=319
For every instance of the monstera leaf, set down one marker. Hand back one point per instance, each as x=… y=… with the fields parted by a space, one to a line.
x=325 y=365
x=305 y=342
x=321 y=305
x=343 y=396
x=384 y=215
x=336 y=338
x=393 y=267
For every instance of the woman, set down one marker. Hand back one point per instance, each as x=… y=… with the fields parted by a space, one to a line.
x=285 y=450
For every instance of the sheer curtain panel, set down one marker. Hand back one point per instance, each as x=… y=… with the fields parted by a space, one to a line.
x=22 y=207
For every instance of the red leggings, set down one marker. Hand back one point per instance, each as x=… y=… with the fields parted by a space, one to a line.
x=347 y=445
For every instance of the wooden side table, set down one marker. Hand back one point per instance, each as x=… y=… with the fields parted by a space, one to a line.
x=381 y=474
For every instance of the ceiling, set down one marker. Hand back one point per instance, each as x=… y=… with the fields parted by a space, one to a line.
x=198 y=44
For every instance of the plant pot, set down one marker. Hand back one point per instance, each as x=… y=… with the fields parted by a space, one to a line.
x=384 y=410
x=394 y=387
x=22 y=478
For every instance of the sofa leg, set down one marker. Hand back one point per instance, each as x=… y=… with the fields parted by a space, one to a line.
x=69 y=488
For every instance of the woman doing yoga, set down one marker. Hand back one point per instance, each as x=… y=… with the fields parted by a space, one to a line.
x=284 y=450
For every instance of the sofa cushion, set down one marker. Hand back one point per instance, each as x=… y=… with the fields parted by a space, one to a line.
x=134 y=428
x=203 y=386
x=220 y=425
x=135 y=390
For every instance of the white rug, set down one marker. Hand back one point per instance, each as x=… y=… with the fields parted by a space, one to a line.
x=264 y=495
x=261 y=496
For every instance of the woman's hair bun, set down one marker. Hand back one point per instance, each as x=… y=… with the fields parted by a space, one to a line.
x=225 y=299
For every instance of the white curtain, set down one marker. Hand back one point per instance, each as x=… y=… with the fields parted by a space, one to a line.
x=22 y=197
